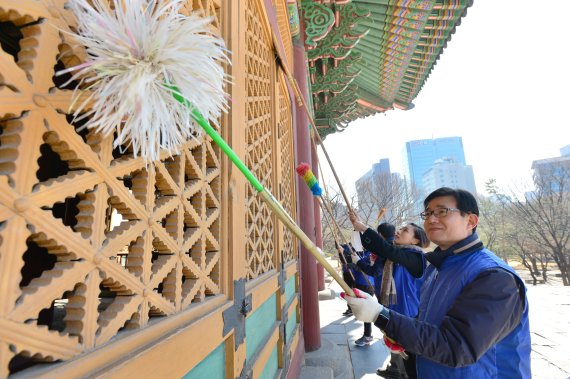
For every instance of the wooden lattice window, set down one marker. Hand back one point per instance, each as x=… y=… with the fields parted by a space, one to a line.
x=287 y=163
x=259 y=139
x=92 y=240
x=208 y=8
x=285 y=30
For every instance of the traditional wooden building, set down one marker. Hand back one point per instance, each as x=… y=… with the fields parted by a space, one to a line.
x=110 y=267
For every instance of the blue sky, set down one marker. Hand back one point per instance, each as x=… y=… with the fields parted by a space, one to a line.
x=501 y=84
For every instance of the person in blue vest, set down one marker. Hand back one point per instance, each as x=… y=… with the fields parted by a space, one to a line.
x=355 y=277
x=401 y=292
x=344 y=257
x=371 y=265
x=374 y=265
x=473 y=313
x=365 y=283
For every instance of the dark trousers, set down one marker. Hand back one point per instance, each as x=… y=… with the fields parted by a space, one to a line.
x=410 y=366
x=405 y=366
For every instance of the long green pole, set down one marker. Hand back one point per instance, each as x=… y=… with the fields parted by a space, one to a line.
x=265 y=194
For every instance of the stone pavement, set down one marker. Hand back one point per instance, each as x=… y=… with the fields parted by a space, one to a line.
x=550 y=330
x=345 y=330
x=549 y=324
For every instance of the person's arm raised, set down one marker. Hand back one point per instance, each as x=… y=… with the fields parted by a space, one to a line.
x=412 y=261
x=373 y=242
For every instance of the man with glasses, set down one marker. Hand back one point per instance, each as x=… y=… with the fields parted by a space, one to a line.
x=473 y=315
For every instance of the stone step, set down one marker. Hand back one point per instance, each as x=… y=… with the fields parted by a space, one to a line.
x=331 y=356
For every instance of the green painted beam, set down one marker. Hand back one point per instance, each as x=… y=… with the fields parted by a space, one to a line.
x=400 y=45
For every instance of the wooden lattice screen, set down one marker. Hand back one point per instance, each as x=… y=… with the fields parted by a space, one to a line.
x=92 y=241
x=282 y=15
x=260 y=136
x=96 y=247
x=287 y=165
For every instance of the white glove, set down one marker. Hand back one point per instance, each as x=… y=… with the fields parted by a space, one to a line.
x=364 y=307
x=355 y=258
x=356 y=242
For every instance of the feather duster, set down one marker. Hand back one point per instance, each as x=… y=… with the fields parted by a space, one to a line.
x=140 y=54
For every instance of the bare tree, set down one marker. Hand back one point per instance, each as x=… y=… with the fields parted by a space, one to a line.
x=388 y=191
x=335 y=204
x=493 y=222
x=489 y=207
x=530 y=253
x=545 y=215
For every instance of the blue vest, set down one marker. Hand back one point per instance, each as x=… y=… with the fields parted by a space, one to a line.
x=359 y=276
x=407 y=286
x=508 y=358
x=407 y=292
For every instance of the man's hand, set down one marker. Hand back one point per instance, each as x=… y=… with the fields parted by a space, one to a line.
x=364 y=307
x=358 y=225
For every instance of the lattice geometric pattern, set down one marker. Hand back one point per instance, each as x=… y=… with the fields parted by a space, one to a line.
x=259 y=139
x=92 y=241
x=287 y=163
x=285 y=31
x=208 y=8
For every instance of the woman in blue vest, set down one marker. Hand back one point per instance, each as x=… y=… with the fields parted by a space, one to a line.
x=401 y=292
x=473 y=313
x=374 y=265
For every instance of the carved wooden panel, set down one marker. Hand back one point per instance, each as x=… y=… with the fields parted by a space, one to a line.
x=287 y=168
x=260 y=81
x=92 y=241
x=285 y=31
x=209 y=8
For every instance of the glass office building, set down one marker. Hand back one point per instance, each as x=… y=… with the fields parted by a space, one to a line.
x=420 y=155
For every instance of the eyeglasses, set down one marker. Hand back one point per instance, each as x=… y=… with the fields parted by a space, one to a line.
x=438 y=213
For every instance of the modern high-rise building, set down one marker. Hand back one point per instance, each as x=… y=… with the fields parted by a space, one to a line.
x=385 y=196
x=447 y=172
x=382 y=167
x=366 y=182
x=420 y=155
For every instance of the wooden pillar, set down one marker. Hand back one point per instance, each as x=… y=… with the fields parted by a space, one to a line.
x=237 y=185
x=308 y=264
x=318 y=225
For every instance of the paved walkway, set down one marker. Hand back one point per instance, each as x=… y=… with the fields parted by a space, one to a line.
x=549 y=324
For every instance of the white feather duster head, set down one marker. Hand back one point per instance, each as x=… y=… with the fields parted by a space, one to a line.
x=137 y=53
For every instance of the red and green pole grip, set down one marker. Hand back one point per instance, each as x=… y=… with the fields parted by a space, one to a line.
x=269 y=199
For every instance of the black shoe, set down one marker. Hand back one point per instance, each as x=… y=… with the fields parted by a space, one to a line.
x=347 y=313
x=390 y=375
x=391 y=372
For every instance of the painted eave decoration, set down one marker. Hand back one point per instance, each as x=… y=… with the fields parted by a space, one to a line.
x=370 y=56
